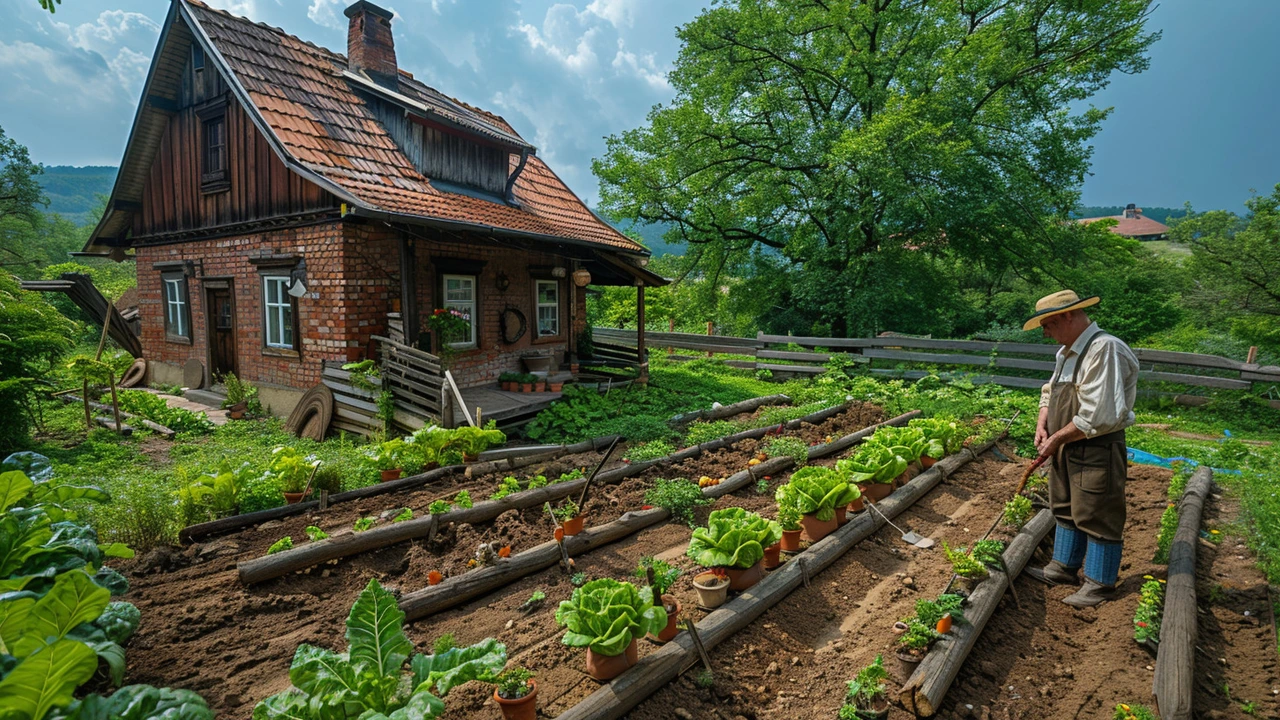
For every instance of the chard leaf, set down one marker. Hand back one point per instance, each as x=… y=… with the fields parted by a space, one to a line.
x=317 y=671
x=453 y=667
x=144 y=702
x=288 y=705
x=14 y=486
x=375 y=632
x=73 y=599
x=421 y=706
x=46 y=678
x=119 y=621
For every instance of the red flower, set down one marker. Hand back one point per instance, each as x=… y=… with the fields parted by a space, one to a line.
x=1141 y=624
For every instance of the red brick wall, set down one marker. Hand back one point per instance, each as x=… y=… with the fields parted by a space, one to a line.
x=352 y=275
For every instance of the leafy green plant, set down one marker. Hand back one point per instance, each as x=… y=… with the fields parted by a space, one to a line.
x=792 y=447
x=651 y=450
x=214 y=495
x=388 y=455
x=369 y=680
x=438 y=507
x=444 y=643
x=788 y=510
x=567 y=510
x=1125 y=711
x=577 y=579
x=139 y=702
x=154 y=408
x=918 y=637
x=1017 y=511
x=962 y=563
x=290 y=469
x=664 y=574
x=605 y=615
x=929 y=612
x=943 y=436
x=906 y=442
x=462 y=499
x=473 y=440
x=1168 y=528
x=327 y=478
x=404 y=514
x=573 y=474
x=989 y=553
x=1146 y=618
x=513 y=683
x=733 y=538
x=679 y=497
x=868 y=686
x=762 y=486
x=537 y=481
x=363 y=524
x=873 y=463
x=703 y=431
x=819 y=490
x=704 y=679
x=508 y=486
x=241 y=391
x=315 y=533
x=284 y=543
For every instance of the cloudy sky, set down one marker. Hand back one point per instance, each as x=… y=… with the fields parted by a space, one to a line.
x=1198 y=126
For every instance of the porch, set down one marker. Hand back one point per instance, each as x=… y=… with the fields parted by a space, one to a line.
x=491 y=402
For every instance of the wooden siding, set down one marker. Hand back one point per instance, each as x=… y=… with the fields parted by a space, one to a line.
x=440 y=155
x=261 y=187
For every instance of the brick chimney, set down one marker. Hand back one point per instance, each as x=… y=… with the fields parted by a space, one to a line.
x=369 y=44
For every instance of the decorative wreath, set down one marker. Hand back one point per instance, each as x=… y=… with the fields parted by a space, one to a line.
x=509 y=318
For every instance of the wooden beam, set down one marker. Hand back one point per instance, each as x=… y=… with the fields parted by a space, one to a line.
x=1175 y=660
x=409 y=290
x=641 y=357
x=924 y=690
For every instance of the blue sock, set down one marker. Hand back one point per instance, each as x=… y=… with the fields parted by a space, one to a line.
x=1069 y=547
x=1102 y=563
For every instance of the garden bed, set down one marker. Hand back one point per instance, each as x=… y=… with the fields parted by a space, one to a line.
x=207 y=632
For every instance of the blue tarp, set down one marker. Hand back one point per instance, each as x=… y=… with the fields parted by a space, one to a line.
x=1146 y=458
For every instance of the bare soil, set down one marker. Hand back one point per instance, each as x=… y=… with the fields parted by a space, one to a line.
x=202 y=630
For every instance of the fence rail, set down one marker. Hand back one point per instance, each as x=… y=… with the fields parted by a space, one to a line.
x=414 y=378
x=1155 y=366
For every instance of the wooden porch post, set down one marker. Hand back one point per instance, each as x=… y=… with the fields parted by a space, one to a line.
x=640 y=350
x=408 y=291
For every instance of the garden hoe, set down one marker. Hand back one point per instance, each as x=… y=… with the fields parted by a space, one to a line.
x=909 y=536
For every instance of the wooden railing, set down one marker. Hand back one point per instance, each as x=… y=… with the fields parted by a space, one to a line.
x=414 y=379
x=1035 y=360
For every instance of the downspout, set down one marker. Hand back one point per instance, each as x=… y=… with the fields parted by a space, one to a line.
x=510 y=194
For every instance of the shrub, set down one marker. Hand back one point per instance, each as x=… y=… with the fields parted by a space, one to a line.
x=142 y=514
x=679 y=497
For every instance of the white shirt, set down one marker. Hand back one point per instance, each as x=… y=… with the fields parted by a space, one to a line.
x=1108 y=382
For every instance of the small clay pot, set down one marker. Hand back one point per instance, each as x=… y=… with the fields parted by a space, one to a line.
x=927 y=462
x=293 y=498
x=916 y=467
x=236 y=414
x=907 y=664
x=773 y=556
x=555 y=387
x=540 y=387
x=525 y=708
x=878 y=711
x=856 y=506
x=944 y=625
x=743 y=578
x=526 y=387
x=389 y=475
x=840 y=515
x=466 y=458
x=668 y=632
x=816 y=529
x=574 y=526
x=875 y=491
x=604 y=667
x=790 y=540
x=712 y=589
x=902 y=479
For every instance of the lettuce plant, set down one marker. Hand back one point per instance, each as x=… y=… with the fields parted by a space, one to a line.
x=943 y=436
x=820 y=490
x=290 y=469
x=474 y=440
x=369 y=680
x=733 y=538
x=909 y=442
x=873 y=463
x=605 y=615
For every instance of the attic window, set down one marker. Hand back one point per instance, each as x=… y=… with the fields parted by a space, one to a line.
x=197 y=58
x=213 y=144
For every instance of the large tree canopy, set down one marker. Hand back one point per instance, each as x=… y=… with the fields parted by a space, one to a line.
x=838 y=130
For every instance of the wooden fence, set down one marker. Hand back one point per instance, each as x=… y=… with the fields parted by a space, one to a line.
x=416 y=383
x=1035 y=360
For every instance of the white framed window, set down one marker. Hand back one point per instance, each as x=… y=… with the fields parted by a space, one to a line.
x=460 y=295
x=176 y=323
x=277 y=306
x=548 y=300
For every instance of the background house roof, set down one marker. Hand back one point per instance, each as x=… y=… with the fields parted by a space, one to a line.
x=1132 y=225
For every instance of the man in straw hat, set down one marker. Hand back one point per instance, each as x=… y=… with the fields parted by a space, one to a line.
x=1084 y=409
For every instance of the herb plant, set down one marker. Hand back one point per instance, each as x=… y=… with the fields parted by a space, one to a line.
x=918 y=637
x=1017 y=511
x=1146 y=619
x=513 y=684
x=363 y=524
x=664 y=574
x=733 y=538
x=792 y=447
x=404 y=514
x=679 y=497
x=577 y=579
x=315 y=533
x=438 y=507
x=929 y=612
x=867 y=686
x=962 y=563
x=606 y=615
x=508 y=486
x=567 y=510
x=649 y=451
x=284 y=543
x=989 y=553
x=462 y=499
x=290 y=469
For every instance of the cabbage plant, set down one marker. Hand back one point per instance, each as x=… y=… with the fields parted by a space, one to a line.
x=733 y=538
x=819 y=491
x=369 y=680
x=605 y=615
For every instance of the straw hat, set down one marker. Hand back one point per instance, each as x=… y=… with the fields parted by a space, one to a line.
x=1059 y=302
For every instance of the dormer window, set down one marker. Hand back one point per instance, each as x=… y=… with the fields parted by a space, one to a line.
x=213 y=147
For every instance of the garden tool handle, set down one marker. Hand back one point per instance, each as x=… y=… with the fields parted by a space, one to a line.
x=1027 y=475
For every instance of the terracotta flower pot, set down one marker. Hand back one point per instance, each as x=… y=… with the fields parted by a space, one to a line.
x=236 y=414
x=791 y=540
x=389 y=475
x=526 y=387
x=816 y=529
x=507 y=385
x=743 y=578
x=916 y=467
x=840 y=515
x=856 y=506
x=669 y=632
x=773 y=556
x=907 y=664
x=555 y=387
x=525 y=708
x=879 y=710
x=712 y=589
x=574 y=526
x=875 y=491
x=293 y=498
x=540 y=387
x=927 y=462
x=944 y=625
x=604 y=667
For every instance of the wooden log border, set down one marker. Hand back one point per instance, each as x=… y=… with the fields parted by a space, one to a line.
x=1175 y=660
x=924 y=690
x=724 y=411
x=191 y=533
x=655 y=670
x=427 y=601
x=271 y=566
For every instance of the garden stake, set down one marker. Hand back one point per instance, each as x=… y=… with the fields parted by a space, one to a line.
x=697 y=643
x=311 y=477
x=566 y=562
x=582 y=500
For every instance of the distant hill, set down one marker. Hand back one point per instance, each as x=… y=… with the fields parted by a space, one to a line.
x=650 y=234
x=73 y=191
x=1159 y=214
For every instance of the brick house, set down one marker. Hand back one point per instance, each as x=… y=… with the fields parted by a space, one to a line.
x=1133 y=224
x=283 y=203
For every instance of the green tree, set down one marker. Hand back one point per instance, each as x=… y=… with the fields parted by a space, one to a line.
x=847 y=134
x=1235 y=267
x=20 y=198
x=33 y=336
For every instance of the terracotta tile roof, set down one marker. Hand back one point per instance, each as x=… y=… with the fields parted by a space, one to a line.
x=300 y=91
x=1132 y=226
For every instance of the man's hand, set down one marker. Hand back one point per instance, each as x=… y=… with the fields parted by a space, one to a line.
x=1042 y=427
x=1054 y=442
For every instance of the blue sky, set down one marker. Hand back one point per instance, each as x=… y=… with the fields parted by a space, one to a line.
x=1198 y=126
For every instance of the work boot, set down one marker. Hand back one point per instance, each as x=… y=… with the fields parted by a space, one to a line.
x=1090 y=595
x=1055 y=573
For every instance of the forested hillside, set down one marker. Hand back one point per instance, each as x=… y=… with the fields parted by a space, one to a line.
x=73 y=191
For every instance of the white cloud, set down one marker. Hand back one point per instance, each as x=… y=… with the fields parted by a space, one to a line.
x=645 y=68
x=617 y=12
x=565 y=36
x=243 y=8
x=325 y=14
x=124 y=40
x=69 y=81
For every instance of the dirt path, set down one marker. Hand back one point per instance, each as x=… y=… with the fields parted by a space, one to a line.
x=204 y=631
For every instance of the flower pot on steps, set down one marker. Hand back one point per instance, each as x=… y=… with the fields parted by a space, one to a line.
x=927 y=462
x=293 y=498
x=525 y=708
x=840 y=515
x=875 y=491
x=389 y=475
x=856 y=506
x=816 y=529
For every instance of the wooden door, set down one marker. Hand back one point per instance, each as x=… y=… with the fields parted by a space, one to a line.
x=222 y=331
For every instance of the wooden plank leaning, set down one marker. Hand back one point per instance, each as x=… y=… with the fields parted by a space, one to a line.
x=924 y=690
x=1175 y=660
x=655 y=670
